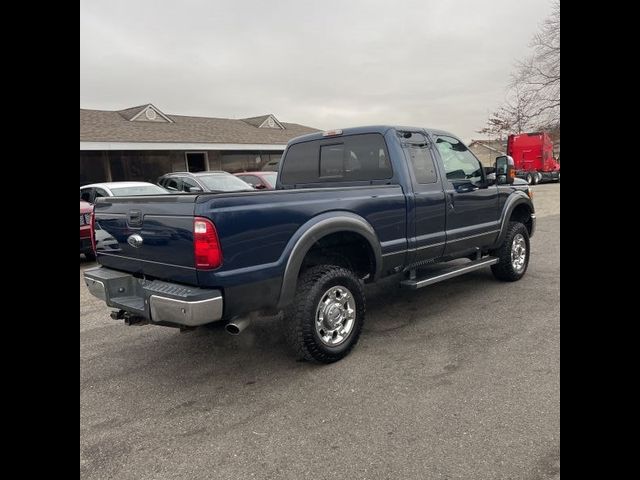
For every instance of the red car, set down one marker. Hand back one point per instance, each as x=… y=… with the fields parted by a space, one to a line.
x=259 y=180
x=85 y=230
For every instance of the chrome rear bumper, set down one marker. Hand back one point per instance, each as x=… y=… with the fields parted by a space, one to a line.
x=157 y=301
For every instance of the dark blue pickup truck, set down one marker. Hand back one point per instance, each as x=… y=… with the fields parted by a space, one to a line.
x=351 y=206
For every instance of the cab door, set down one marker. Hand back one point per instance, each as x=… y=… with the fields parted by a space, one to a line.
x=429 y=209
x=472 y=203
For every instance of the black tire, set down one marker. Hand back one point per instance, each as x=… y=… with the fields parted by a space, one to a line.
x=504 y=270
x=529 y=179
x=536 y=179
x=300 y=316
x=90 y=256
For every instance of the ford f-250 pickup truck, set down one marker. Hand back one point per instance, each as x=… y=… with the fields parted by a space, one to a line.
x=350 y=206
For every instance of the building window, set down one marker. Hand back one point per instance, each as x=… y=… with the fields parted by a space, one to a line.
x=196 y=161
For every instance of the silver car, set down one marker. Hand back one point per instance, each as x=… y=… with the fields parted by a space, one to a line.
x=89 y=193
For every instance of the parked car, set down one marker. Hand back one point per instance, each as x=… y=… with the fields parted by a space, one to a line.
x=196 y=182
x=89 y=193
x=85 y=230
x=350 y=206
x=259 y=180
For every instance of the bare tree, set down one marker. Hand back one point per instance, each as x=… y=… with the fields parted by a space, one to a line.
x=533 y=97
x=518 y=114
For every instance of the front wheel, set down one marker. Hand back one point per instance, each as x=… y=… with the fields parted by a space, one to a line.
x=513 y=254
x=325 y=319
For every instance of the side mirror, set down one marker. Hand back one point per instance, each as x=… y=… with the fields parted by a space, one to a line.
x=195 y=190
x=260 y=187
x=505 y=169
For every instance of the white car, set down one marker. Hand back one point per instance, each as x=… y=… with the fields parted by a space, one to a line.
x=89 y=193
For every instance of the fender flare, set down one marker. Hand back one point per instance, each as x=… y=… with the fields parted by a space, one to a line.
x=515 y=199
x=312 y=231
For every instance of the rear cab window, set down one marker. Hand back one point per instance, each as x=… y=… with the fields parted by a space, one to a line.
x=349 y=158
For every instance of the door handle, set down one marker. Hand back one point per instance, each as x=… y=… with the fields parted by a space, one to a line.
x=451 y=200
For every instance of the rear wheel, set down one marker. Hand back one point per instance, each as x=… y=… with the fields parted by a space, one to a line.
x=513 y=254
x=529 y=178
x=326 y=317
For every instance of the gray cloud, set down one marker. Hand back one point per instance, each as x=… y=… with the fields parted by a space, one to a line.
x=325 y=64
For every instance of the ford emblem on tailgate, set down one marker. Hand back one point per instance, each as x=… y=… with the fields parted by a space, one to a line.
x=135 y=240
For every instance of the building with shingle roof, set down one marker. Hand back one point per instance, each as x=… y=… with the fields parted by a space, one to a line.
x=488 y=150
x=143 y=143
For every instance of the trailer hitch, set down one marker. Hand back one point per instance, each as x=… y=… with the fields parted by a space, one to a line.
x=128 y=317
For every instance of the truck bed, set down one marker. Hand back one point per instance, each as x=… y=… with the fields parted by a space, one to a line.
x=257 y=231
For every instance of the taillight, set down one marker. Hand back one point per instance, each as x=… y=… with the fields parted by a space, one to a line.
x=206 y=246
x=92 y=215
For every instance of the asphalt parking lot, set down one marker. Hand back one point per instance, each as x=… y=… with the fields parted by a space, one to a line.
x=459 y=380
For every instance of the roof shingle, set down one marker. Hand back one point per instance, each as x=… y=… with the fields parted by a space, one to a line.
x=113 y=126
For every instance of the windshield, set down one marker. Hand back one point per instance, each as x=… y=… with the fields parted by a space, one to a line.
x=224 y=183
x=141 y=190
x=271 y=178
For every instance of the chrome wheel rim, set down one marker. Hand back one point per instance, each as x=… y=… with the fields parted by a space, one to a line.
x=335 y=315
x=518 y=252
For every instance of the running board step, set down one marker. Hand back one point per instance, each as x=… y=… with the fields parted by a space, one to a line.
x=447 y=274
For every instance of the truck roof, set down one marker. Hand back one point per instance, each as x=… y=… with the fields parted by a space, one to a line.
x=382 y=129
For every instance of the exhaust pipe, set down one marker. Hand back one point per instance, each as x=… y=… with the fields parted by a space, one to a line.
x=236 y=326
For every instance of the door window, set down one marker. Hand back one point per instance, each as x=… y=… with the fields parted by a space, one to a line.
x=252 y=180
x=460 y=165
x=419 y=155
x=86 y=194
x=188 y=184
x=173 y=184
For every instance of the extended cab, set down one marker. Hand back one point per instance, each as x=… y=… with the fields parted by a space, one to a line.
x=350 y=206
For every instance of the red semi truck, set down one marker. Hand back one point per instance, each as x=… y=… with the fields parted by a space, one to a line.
x=532 y=154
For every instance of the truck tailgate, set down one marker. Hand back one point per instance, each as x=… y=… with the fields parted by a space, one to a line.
x=151 y=236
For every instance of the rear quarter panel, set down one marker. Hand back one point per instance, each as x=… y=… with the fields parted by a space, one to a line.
x=258 y=230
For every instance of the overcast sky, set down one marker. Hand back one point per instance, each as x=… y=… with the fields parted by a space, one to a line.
x=326 y=64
